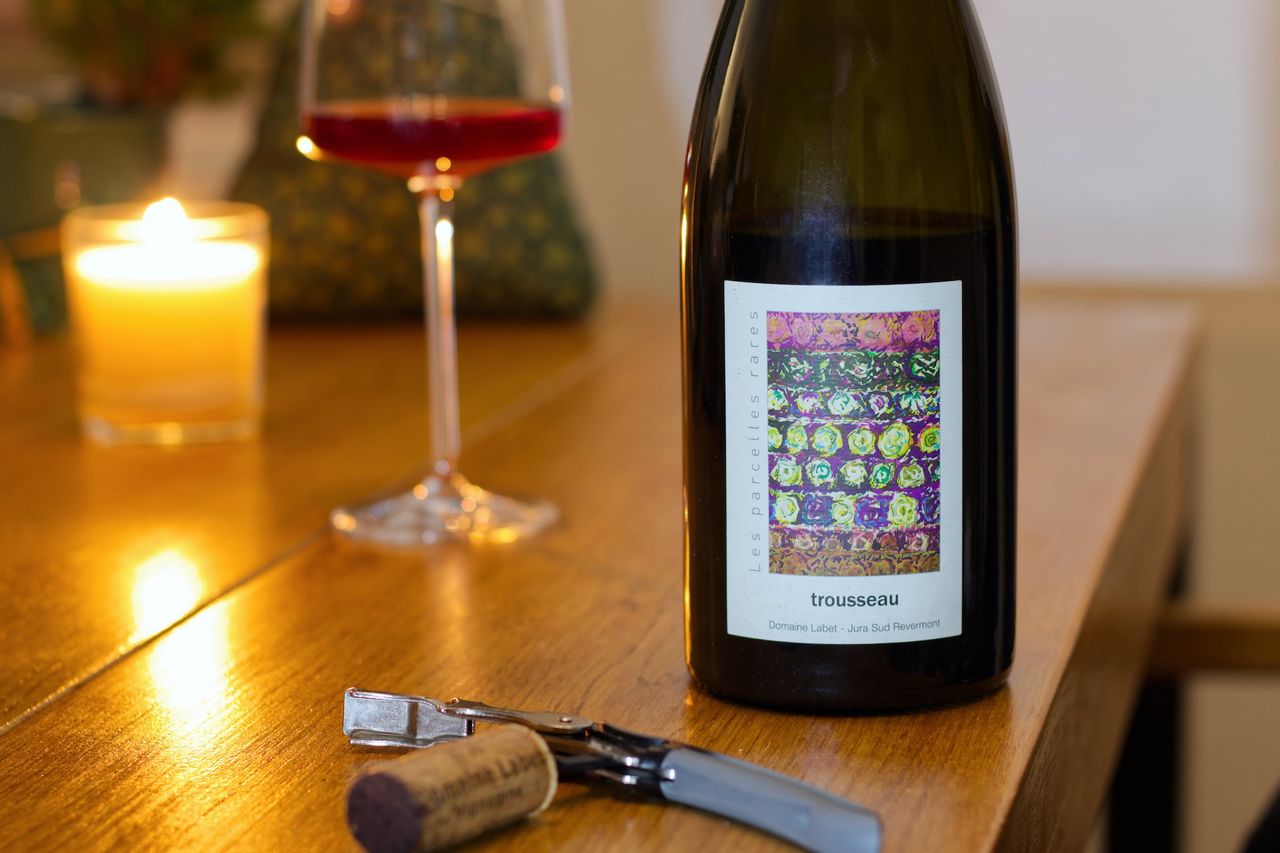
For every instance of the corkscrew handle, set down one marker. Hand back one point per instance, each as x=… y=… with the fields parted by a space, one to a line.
x=777 y=804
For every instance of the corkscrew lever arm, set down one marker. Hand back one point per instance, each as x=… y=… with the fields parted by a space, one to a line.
x=586 y=750
x=371 y=718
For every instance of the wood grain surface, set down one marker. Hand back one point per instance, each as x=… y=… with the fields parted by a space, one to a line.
x=102 y=548
x=225 y=731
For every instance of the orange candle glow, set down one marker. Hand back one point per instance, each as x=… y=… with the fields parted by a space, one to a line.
x=168 y=316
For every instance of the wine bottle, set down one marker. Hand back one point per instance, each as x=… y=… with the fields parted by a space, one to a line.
x=849 y=318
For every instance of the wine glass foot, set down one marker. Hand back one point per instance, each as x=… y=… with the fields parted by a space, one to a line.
x=444 y=509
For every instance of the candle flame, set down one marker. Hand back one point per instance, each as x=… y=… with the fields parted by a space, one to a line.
x=165 y=221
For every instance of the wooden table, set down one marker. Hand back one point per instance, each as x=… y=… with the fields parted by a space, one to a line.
x=178 y=626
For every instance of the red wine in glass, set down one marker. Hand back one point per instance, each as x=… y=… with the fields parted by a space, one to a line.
x=460 y=136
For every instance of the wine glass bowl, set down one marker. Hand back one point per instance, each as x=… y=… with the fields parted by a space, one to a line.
x=455 y=139
x=435 y=92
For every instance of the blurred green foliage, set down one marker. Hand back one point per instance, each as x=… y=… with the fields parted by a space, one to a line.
x=149 y=53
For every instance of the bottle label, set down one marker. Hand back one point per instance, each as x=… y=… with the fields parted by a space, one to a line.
x=843 y=462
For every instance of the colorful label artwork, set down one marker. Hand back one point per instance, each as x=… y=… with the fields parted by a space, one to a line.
x=854 y=443
x=844 y=471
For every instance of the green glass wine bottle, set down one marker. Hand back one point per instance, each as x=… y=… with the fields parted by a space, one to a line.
x=849 y=311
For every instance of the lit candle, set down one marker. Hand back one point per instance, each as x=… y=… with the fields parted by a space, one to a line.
x=168 y=318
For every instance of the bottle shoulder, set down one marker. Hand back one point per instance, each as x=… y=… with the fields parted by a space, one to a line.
x=880 y=108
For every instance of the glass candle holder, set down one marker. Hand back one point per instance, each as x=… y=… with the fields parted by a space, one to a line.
x=167 y=307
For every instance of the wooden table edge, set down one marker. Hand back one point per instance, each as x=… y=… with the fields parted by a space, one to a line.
x=1116 y=633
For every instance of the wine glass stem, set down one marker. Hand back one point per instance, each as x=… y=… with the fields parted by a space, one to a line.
x=436 y=214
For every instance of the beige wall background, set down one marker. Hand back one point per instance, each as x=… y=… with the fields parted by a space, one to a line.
x=1145 y=132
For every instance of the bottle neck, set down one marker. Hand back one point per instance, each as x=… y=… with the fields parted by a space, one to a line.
x=875 y=108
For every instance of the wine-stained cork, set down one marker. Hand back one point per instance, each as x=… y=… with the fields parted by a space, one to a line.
x=450 y=793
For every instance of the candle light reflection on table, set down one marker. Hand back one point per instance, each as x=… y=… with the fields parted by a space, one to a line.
x=189 y=666
x=166 y=587
x=190 y=679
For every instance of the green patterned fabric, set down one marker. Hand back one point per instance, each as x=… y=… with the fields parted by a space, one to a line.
x=102 y=156
x=345 y=240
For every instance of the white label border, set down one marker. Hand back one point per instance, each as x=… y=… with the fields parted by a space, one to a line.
x=764 y=606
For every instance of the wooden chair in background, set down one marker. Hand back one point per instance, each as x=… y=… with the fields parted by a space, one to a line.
x=1191 y=639
x=15 y=315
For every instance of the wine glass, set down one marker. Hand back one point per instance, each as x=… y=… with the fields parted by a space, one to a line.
x=435 y=92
